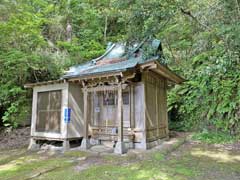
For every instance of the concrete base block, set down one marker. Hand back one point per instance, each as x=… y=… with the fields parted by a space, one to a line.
x=142 y=145
x=149 y=145
x=120 y=148
x=85 y=143
x=129 y=145
x=95 y=141
x=33 y=145
x=66 y=145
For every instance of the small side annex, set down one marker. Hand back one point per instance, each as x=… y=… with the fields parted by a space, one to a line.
x=120 y=97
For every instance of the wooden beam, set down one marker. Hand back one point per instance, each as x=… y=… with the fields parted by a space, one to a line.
x=129 y=77
x=96 y=76
x=105 y=88
x=148 y=65
x=31 y=85
x=162 y=70
x=102 y=88
x=169 y=74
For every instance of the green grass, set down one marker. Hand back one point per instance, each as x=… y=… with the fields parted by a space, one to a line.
x=75 y=153
x=9 y=155
x=29 y=165
x=141 y=170
x=186 y=163
x=158 y=156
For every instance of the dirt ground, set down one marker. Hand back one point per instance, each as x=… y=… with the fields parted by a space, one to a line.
x=16 y=138
x=180 y=158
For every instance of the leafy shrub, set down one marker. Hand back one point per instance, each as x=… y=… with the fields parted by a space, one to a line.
x=16 y=114
x=214 y=137
x=17 y=68
x=209 y=99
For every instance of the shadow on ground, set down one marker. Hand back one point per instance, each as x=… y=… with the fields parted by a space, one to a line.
x=192 y=160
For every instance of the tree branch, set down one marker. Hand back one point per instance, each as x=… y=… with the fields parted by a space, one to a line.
x=105 y=28
x=188 y=13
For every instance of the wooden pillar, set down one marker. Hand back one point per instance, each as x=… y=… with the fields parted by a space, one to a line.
x=120 y=114
x=120 y=147
x=33 y=144
x=157 y=85
x=85 y=142
x=132 y=107
x=165 y=108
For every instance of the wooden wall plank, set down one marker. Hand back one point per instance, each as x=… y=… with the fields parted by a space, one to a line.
x=75 y=102
x=156 y=106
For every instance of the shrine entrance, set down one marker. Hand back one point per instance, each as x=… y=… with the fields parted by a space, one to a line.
x=108 y=113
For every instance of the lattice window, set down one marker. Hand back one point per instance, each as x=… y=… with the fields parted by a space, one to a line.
x=49 y=111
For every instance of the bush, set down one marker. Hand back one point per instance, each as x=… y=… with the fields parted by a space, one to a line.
x=19 y=68
x=214 y=137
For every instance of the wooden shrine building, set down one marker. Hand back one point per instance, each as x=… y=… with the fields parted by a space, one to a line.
x=120 y=97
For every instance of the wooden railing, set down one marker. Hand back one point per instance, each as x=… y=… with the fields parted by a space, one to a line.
x=110 y=133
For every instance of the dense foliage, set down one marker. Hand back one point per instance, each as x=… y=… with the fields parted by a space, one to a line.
x=200 y=39
x=208 y=55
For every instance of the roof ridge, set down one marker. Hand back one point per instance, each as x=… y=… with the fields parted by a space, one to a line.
x=106 y=53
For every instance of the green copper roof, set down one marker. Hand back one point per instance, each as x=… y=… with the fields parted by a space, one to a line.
x=118 y=57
